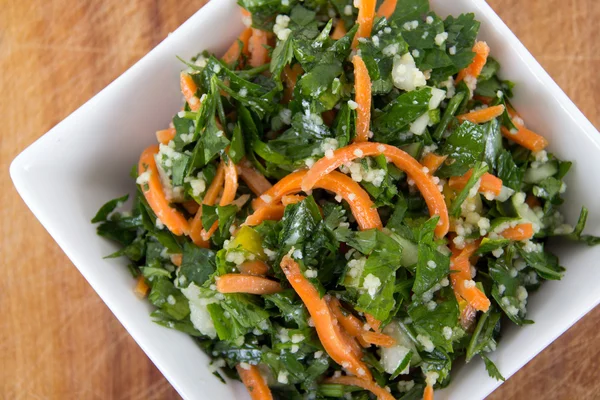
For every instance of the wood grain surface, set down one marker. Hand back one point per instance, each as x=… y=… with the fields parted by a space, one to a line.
x=57 y=339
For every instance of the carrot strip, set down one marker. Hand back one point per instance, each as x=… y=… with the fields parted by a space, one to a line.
x=428 y=393
x=329 y=332
x=348 y=321
x=254 y=382
x=210 y=198
x=482 y=51
x=358 y=199
x=290 y=77
x=339 y=31
x=366 y=15
x=369 y=385
x=532 y=201
x=433 y=162
x=429 y=190
x=461 y=278
x=189 y=88
x=270 y=212
x=526 y=138
x=191 y=206
x=254 y=179
x=235 y=51
x=483 y=115
x=484 y=99
x=177 y=259
x=165 y=136
x=229 y=190
x=255 y=267
x=520 y=232
x=259 y=55
x=387 y=8
x=141 y=287
x=378 y=339
x=155 y=195
x=291 y=199
x=373 y=322
x=241 y=201
x=240 y=283
x=488 y=183
x=362 y=89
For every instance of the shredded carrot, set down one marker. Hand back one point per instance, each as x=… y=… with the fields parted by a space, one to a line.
x=484 y=99
x=488 y=183
x=229 y=190
x=252 y=284
x=429 y=190
x=483 y=115
x=369 y=385
x=255 y=267
x=433 y=162
x=268 y=212
x=461 y=278
x=259 y=55
x=482 y=51
x=373 y=322
x=210 y=198
x=291 y=199
x=141 y=287
x=254 y=179
x=191 y=206
x=526 y=138
x=165 y=136
x=387 y=8
x=241 y=201
x=254 y=382
x=235 y=51
x=428 y=394
x=522 y=231
x=177 y=259
x=378 y=339
x=366 y=15
x=189 y=88
x=339 y=31
x=155 y=195
x=532 y=201
x=348 y=321
x=328 y=330
x=362 y=96
x=290 y=77
x=358 y=199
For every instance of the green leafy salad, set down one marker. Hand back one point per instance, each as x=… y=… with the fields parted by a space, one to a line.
x=346 y=205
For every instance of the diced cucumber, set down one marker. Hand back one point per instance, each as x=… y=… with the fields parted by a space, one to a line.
x=414 y=149
x=392 y=357
x=536 y=175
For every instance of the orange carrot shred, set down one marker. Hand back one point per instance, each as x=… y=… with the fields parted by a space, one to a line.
x=482 y=51
x=328 y=330
x=460 y=277
x=348 y=321
x=291 y=199
x=522 y=231
x=366 y=15
x=358 y=199
x=433 y=162
x=177 y=259
x=369 y=385
x=373 y=322
x=254 y=179
x=155 y=195
x=290 y=78
x=362 y=88
x=141 y=287
x=268 y=212
x=191 y=206
x=165 y=136
x=387 y=8
x=432 y=195
x=378 y=339
x=229 y=190
x=189 y=88
x=252 y=284
x=483 y=115
x=489 y=183
x=339 y=31
x=255 y=267
x=259 y=55
x=235 y=51
x=428 y=394
x=526 y=138
x=210 y=198
x=254 y=382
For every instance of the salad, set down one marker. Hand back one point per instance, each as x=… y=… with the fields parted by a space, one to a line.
x=347 y=203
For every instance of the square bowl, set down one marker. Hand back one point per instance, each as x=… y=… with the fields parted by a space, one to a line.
x=68 y=173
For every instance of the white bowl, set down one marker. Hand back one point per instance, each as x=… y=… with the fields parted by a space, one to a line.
x=68 y=173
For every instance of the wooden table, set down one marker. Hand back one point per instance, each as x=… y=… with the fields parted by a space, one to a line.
x=57 y=338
